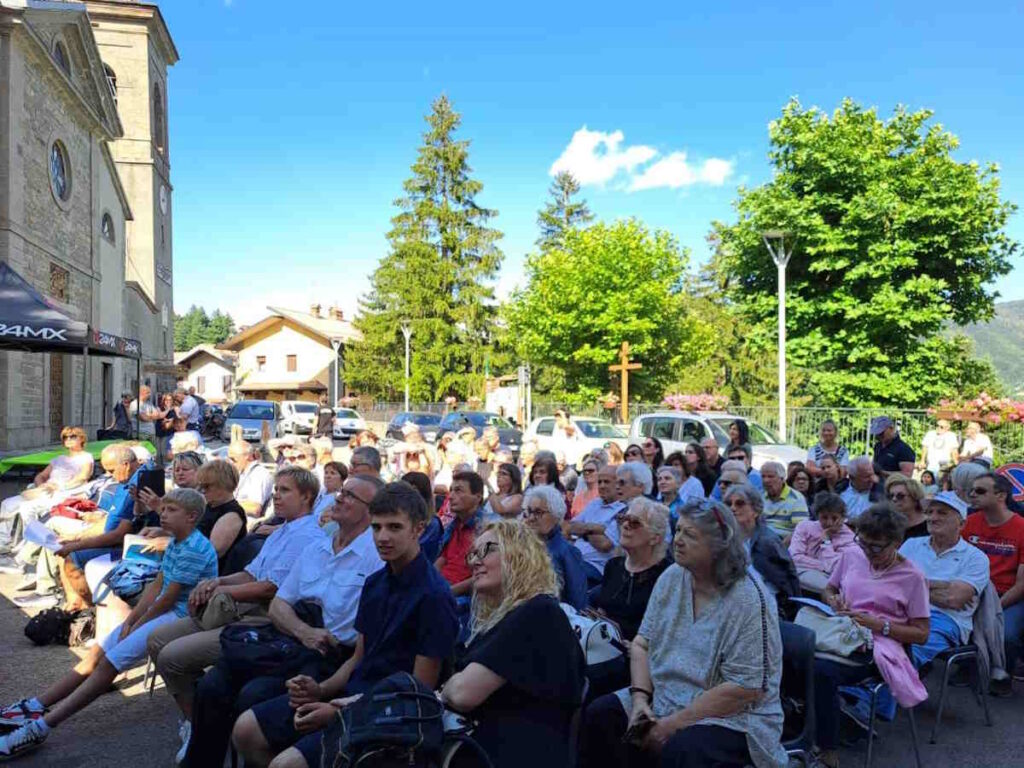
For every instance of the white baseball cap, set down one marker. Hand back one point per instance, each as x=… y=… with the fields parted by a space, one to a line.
x=951 y=500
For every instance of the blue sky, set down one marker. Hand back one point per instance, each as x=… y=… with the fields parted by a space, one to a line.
x=291 y=134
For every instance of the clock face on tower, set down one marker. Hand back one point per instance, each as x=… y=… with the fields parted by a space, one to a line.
x=163 y=199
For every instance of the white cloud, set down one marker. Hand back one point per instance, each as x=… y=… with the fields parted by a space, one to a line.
x=595 y=157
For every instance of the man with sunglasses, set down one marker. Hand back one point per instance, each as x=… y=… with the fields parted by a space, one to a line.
x=999 y=533
x=743 y=454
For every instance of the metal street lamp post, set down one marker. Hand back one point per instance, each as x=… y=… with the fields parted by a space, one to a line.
x=775 y=241
x=407 y=332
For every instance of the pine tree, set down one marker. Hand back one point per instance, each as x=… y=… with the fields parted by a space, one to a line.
x=437 y=276
x=197 y=332
x=561 y=213
x=220 y=327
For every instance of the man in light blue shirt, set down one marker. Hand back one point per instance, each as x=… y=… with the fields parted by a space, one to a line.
x=957 y=574
x=594 y=529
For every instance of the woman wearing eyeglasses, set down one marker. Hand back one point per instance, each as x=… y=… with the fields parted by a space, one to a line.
x=543 y=513
x=705 y=664
x=223 y=521
x=768 y=555
x=522 y=674
x=633 y=452
x=881 y=590
x=907 y=495
x=629 y=579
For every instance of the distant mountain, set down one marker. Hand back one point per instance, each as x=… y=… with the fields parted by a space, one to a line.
x=1001 y=340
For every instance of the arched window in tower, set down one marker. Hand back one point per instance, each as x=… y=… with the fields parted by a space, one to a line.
x=111 y=81
x=158 y=118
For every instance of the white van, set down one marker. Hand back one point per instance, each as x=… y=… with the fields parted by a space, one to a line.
x=298 y=417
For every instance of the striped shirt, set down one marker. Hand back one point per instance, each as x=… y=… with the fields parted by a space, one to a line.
x=187 y=562
x=817 y=453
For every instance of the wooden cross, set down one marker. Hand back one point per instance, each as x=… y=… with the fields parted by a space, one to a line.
x=624 y=367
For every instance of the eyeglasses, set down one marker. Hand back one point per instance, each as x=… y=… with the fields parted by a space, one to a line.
x=479 y=554
x=725 y=483
x=897 y=496
x=976 y=491
x=870 y=548
x=345 y=493
x=627 y=521
x=534 y=512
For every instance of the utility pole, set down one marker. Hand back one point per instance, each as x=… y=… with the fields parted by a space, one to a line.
x=407 y=332
x=775 y=241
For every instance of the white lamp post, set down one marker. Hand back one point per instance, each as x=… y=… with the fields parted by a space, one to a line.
x=407 y=332
x=775 y=241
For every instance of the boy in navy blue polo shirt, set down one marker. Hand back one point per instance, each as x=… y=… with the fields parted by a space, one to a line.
x=406 y=622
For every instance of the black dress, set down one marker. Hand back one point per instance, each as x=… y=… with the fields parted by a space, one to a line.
x=526 y=721
x=209 y=519
x=624 y=595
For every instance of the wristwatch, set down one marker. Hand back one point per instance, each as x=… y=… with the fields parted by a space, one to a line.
x=886 y=628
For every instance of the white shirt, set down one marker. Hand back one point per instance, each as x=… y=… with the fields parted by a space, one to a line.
x=334 y=581
x=961 y=562
x=282 y=548
x=603 y=514
x=255 y=484
x=146 y=428
x=979 y=443
x=939 y=448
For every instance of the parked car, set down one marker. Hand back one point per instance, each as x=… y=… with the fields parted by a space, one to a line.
x=299 y=417
x=509 y=436
x=591 y=434
x=427 y=422
x=252 y=415
x=347 y=423
x=676 y=428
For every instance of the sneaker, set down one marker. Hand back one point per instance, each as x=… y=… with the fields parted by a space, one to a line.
x=27 y=584
x=1002 y=687
x=19 y=713
x=10 y=565
x=185 y=733
x=25 y=739
x=37 y=601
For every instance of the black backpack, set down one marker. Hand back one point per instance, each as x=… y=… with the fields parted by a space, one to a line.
x=397 y=723
x=52 y=626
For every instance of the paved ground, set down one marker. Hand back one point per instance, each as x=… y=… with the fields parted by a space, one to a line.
x=128 y=728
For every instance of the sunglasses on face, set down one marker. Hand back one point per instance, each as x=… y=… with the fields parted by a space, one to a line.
x=872 y=548
x=628 y=521
x=976 y=491
x=478 y=554
x=899 y=496
x=725 y=483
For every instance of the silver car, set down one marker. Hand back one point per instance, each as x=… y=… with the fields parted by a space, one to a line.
x=252 y=415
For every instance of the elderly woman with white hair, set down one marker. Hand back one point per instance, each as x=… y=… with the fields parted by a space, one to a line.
x=705 y=664
x=633 y=479
x=543 y=513
x=768 y=555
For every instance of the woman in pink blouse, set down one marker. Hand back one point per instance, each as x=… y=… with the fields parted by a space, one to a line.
x=817 y=545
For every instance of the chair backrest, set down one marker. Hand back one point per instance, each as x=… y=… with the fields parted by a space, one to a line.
x=798 y=675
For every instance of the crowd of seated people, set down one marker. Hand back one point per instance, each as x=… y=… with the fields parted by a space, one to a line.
x=351 y=572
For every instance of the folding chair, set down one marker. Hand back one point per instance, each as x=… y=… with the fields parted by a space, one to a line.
x=798 y=667
x=948 y=658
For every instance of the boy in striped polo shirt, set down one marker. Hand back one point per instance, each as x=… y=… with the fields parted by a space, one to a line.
x=189 y=559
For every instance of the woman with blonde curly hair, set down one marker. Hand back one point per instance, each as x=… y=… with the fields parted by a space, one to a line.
x=522 y=674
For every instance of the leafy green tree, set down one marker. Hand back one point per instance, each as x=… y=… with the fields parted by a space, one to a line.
x=195 y=327
x=893 y=238
x=437 y=276
x=607 y=284
x=561 y=213
x=220 y=327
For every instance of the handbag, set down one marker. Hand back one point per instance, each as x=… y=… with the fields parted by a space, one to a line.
x=837 y=636
x=399 y=722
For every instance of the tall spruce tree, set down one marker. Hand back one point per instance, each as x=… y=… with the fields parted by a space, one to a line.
x=561 y=213
x=437 y=276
